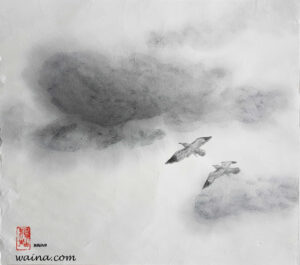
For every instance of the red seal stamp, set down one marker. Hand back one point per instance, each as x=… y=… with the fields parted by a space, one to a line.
x=23 y=238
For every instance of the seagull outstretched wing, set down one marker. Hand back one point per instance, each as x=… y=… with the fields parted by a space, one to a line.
x=212 y=177
x=200 y=141
x=179 y=155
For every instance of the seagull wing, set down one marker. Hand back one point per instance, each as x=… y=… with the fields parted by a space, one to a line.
x=206 y=184
x=179 y=155
x=227 y=163
x=212 y=177
x=184 y=144
x=198 y=142
x=217 y=167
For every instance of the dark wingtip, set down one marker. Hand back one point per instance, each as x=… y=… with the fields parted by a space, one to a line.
x=173 y=159
x=206 y=184
x=207 y=138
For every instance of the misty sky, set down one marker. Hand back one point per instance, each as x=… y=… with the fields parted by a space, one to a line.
x=98 y=95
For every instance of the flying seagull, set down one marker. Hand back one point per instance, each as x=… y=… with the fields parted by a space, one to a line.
x=223 y=169
x=188 y=149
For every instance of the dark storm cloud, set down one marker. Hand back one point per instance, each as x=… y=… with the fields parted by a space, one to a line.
x=98 y=93
x=94 y=94
x=240 y=197
x=106 y=93
x=87 y=85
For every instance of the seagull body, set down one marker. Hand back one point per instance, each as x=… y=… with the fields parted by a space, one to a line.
x=188 y=149
x=223 y=169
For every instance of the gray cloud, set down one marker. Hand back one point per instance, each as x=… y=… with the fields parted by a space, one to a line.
x=92 y=91
x=253 y=105
x=71 y=135
x=94 y=94
x=91 y=87
x=203 y=35
x=144 y=136
x=240 y=196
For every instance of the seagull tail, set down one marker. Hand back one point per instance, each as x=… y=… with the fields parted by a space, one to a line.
x=173 y=159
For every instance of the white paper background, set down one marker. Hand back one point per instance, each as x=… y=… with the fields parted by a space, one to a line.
x=122 y=205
